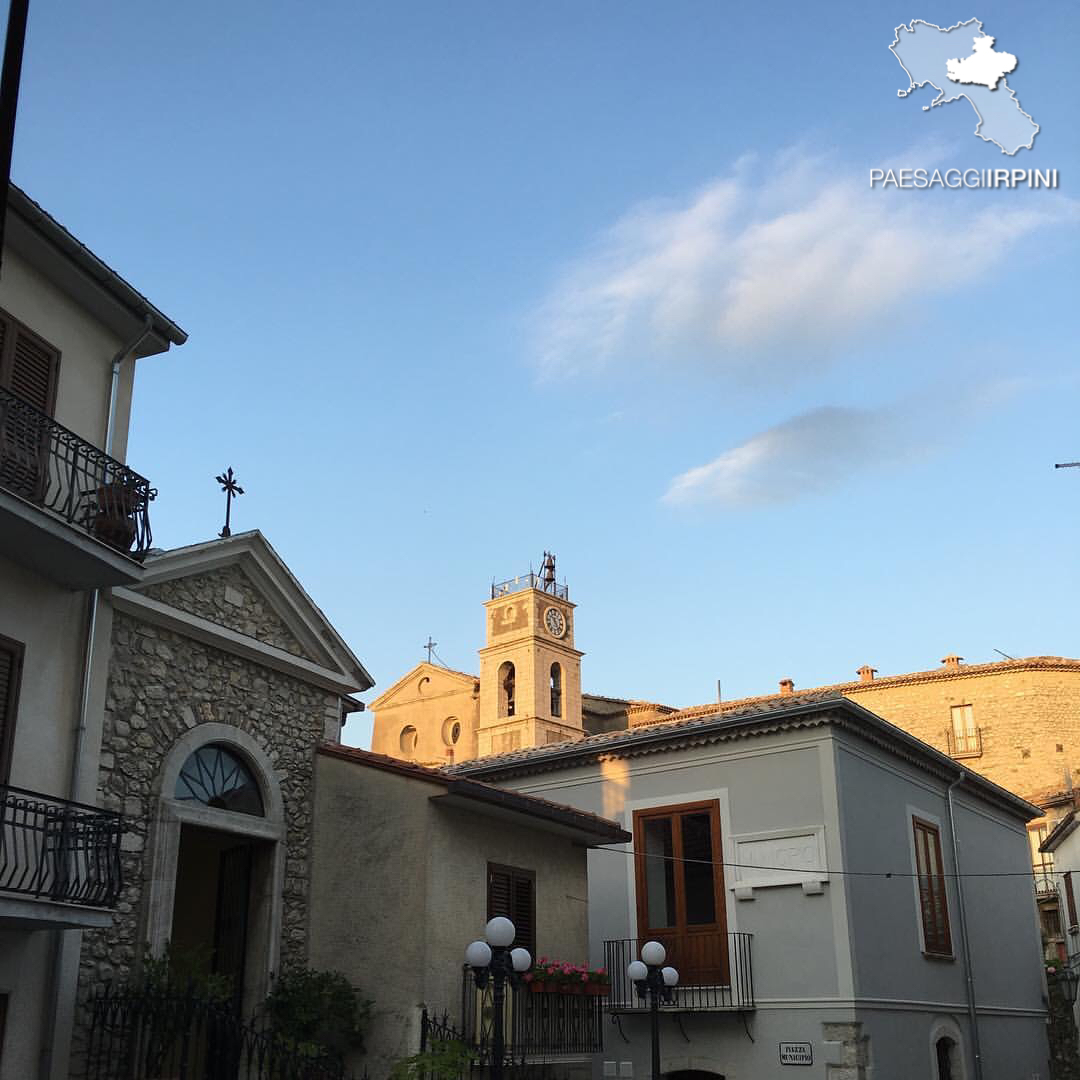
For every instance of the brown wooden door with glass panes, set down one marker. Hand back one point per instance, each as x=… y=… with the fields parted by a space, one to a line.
x=680 y=889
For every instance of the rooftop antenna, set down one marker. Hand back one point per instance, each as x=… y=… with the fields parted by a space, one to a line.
x=1005 y=654
x=430 y=646
x=231 y=488
x=1068 y=465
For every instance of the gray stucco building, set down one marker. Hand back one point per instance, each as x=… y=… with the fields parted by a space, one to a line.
x=840 y=898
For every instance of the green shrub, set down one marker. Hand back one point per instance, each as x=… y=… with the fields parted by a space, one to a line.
x=318 y=1013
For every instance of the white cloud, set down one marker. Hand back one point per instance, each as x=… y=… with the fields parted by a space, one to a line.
x=818 y=450
x=804 y=455
x=745 y=268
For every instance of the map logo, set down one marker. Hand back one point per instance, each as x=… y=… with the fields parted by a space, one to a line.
x=961 y=62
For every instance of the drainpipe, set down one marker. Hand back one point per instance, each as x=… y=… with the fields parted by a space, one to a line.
x=93 y=605
x=976 y=1048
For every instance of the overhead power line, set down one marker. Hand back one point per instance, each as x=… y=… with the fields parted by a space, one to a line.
x=827 y=872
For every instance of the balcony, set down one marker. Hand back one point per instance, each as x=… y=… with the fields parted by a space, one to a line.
x=59 y=862
x=67 y=509
x=715 y=973
x=528 y=581
x=965 y=744
x=536 y=1026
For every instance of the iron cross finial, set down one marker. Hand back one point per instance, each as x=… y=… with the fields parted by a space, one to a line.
x=430 y=646
x=231 y=488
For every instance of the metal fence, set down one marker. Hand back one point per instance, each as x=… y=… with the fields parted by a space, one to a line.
x=715 y=972
x=58 y=850
x=436 y=1029
x=528 y=581
x=49 y=465
x=147 y=1033
x=534 y=1025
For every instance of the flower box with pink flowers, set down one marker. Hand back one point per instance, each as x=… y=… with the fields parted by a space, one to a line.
x=559 y=977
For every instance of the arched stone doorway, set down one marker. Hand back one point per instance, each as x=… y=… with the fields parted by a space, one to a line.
x=218 y=858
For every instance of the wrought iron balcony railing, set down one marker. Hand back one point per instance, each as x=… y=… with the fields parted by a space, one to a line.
x=48 y=465
x=965 y=744
x=535 y=1025
x=1045 y=880
x=57 y=850
x=715 y=972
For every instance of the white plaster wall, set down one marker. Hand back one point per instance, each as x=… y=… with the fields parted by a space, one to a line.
x=86 y=351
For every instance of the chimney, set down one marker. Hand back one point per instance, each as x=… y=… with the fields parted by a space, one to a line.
x=952 y=662
x=787 y=686
x=866 y=673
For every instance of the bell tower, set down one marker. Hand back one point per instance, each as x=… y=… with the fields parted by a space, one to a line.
x=530 y=672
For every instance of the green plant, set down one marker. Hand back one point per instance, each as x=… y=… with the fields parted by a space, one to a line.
x=317 y=1013
x=448 y=1059
x=185 y=970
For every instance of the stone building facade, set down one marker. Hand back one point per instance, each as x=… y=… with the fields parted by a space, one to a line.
x=223 y=674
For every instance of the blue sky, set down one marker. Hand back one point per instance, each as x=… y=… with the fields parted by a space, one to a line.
x=468 y=281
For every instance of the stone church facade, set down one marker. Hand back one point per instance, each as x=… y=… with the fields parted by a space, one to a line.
x=224 y=678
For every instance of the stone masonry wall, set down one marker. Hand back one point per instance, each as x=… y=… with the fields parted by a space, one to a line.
x=1029 y=721
x=228 y=597
x=161 y=685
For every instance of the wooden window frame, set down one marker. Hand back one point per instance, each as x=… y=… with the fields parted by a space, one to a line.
x=932 y=935
x=13 y=329
x=9 y=709
x=681 y=935
x=1070 y=902
x=524 y=874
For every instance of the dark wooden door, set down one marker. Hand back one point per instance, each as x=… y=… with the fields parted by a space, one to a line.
x=231 y=921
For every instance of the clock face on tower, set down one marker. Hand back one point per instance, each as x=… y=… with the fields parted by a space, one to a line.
x=555 y=621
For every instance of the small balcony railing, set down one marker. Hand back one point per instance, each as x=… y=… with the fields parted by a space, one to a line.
x=715 y=972
x=965 y=743
x=528 y=581
x=48 y=465
x=1045 y=881
x=535 y=1026
x=52 y=849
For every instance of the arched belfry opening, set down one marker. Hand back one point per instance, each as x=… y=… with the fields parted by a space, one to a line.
x=556 y=690
x=507 y=686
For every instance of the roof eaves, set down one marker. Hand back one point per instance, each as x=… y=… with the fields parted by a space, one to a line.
x=95 y=267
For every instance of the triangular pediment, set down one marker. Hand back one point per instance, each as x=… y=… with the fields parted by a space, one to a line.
x=241 y=584
x=422 y=682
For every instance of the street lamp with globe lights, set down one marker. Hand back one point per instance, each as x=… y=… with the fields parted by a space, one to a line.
x=656 y=983
x=494 y=959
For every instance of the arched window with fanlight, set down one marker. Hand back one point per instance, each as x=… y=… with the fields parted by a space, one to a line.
x=556 y=690
x=216 y=777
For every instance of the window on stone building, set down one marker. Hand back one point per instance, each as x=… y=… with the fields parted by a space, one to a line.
x=506 y=689
x=945 y=1052
x=11 y=654
x=965 y=739
x=556 y=690
x=680 y=887
x=933 y=903
x=511 y=891
x=408 y=740
x=216 y=777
